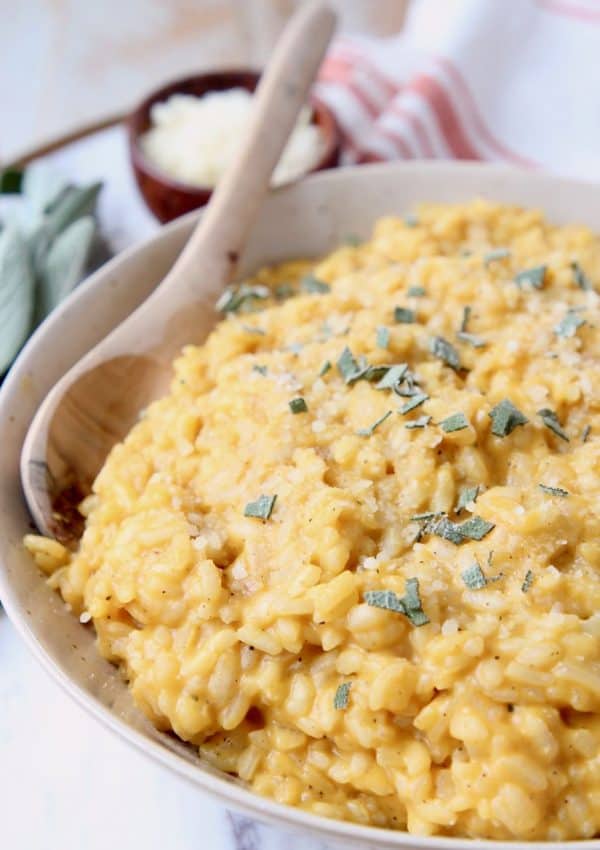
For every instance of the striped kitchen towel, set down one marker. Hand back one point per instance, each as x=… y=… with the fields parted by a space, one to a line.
x=515 y=81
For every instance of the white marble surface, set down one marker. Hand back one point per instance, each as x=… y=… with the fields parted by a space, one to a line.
x=66 y=781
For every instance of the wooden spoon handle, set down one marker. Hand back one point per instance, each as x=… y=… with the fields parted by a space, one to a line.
x=212 y=251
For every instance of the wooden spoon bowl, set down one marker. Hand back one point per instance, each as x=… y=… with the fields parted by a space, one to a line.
x=169 y=198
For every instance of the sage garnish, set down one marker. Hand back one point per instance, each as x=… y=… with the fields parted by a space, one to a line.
x=393 y=377
x=425 y=516
x=550 y=420
x=581 y=279
x=416 y=292
x=505 y=418
x=262 y=370
x=465 y=318
x=44 y=250
x=586 y=433
x=63 y=266
x=569 y=325
x=11 y=180
x=262 y=508
x=313 y=285
x=554 y=491
x=298 y=405
x=17 y=293
x=413 y=402
x=474 y=577
x=465 y=497
x=445 y=352
x=404 y=315
x=411 y=220
x=383 y=337
x=236 y=298
x=421 y=422
x=324 y=368
x=495 y=254
x=366 y=432
x=455 y=422
x=352 y=240
x=474 y=528
x=528 y=581
x=340 y=700
x=410 y=604
x=249 y=329
x=283 y=291
x=347 y=366
x=531 y=277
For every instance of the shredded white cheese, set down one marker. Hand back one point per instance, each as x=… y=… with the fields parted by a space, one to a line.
x=193 y=139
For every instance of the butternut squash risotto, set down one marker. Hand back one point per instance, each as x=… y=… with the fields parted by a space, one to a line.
x=354 y=556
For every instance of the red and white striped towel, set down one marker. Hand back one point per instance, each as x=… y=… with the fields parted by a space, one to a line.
x=515 y=81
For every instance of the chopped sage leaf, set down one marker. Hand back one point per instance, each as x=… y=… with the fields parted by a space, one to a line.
x=353 y=240
x=347 y=365
x=495 y=254
x=445 y=351
x=340 y=700
x=410 y=389
x=426 y=515
x=262 y=508
x=312 y=284
x=383 y=337
x=410 y=604
x=569 y=325
x=527 y=582
x=531 y=277
x=298 y=405
x=553 y=491
x=550 y=420
x=581 y=279
x=236 y=297
x=413 y=402
x=474 y=578
x=324 y=368
x=393 y=377
x=447 y=529
x=404 y=315
x=416 y=291
x=251 y=330
x=411 y=220
x=476 y=528
x=283 y=291
x=421 y=422
x=455 y=422
x=585 y=433
x=472 y=339
x=386 y=599
x=465 y=497
x=375 y=373
x=262 y=370
x=465 y=318
x=505 y=418
x=366 y=432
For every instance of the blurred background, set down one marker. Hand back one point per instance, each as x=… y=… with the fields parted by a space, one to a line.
x=68 y=63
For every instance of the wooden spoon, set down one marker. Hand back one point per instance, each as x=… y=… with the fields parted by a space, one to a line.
x=96 y=403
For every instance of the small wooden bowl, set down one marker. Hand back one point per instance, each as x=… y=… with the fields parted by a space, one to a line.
x=168 y=198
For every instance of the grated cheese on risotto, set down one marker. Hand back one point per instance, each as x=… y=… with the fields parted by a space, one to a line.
x=380 y=602
x=194 y=139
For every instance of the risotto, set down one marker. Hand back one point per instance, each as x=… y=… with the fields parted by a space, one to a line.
x=354 y=556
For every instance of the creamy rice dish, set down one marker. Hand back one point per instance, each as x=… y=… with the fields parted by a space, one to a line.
x=354 y=556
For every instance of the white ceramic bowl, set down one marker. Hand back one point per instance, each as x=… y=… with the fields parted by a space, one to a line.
x=305 y=219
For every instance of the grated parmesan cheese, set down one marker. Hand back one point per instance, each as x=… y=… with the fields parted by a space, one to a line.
x=193 y=139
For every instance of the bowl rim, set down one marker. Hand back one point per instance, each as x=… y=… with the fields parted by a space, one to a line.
x=140 y=161
x=229 y=793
